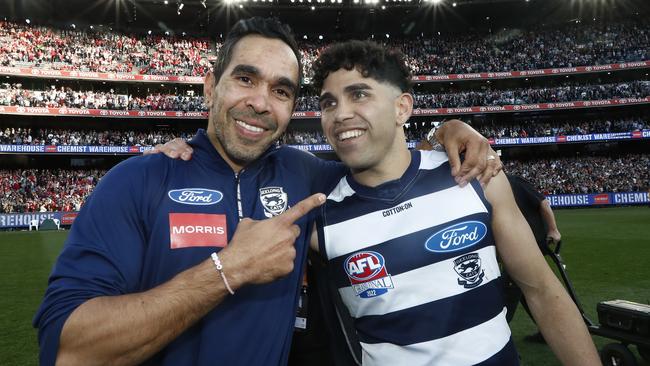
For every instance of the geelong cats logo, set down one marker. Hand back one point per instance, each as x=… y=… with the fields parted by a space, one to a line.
x=274 y=200
x=469 y=269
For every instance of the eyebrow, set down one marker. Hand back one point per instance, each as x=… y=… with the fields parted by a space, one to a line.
x=348 y=89
x=286 y=82
x=252 y=70
x=356 y=87
x=245 y=69
x=325 y=96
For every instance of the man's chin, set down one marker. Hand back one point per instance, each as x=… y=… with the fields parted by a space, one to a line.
x=246 y=153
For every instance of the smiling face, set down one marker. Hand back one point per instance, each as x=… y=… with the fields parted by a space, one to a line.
x=251 y=104
x=362 y=119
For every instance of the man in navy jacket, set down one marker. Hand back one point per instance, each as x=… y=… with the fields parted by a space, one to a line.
x=198 y=262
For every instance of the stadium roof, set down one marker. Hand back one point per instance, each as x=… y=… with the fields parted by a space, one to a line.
x=335 y=18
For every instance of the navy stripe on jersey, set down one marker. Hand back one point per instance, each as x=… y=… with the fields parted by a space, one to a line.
x=426 y=181
x=433 y=320
x=413 y=243
x=507 y=356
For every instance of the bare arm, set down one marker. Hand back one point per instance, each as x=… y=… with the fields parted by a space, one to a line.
x=549 y=218
x=128 y=329
x=553 y=310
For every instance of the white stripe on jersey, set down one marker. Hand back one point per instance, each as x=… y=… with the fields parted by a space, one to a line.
x=479 y=344
x=409 y=292
x=373 y=228
x=430 y=160
x=341 y=191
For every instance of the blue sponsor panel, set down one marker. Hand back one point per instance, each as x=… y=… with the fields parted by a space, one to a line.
x=23 y=220
x=599 y=199
x=538 y=140
x=18 y=220
x=613 y=136
x=570 y=200
x=313 y=147
x=630 y=198
x=505 y=141
x=22 y=148
x=73 y=149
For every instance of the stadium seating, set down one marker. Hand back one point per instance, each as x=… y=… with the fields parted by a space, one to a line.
x=107 y=51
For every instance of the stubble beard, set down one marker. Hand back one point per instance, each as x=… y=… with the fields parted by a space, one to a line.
x=238 y=150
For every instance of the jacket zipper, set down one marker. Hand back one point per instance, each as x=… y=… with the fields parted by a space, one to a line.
x=240 y=211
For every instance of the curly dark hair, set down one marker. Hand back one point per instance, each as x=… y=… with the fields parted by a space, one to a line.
x=369 y=58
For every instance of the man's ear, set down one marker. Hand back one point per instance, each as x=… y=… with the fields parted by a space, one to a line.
x=404 y=108
x=208 y=89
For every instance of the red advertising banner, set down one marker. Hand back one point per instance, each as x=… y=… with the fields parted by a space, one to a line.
x=67 y=218
x=76 y=112
x=103 y=76
x=532 y=73
x=531 y=107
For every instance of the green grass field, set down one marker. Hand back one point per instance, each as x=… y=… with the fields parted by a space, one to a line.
x=607 y=252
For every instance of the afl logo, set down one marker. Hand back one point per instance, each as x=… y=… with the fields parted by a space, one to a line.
x=195 y=196
x=456 y=237
x=367 y=274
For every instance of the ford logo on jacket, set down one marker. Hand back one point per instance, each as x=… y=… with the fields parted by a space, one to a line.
x=456 y=237
x=195 y=196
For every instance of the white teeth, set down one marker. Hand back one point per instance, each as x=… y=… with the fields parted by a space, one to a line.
x=350 y=134
x=249 y=127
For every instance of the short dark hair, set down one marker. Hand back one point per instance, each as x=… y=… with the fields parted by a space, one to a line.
x=369 y=58
x=266 y=27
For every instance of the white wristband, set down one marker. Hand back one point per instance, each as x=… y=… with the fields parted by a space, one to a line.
x=217 y=263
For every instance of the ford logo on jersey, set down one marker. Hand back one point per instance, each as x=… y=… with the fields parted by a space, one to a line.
x=195 y=196
x=367 y=274
x=456 y=237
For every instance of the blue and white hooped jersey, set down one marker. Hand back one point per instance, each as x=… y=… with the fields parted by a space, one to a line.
x=414 y=261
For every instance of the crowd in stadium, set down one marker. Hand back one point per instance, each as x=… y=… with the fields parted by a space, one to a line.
x=16 y=95
x=44 y=136
x=573 y=45
x=102 y=51
x=593 y=174
x=34 y=190
x=567 y=93
x=490 y=96
x=106 y=51
x=42 y=190
x=414 y=132
x=417 y=131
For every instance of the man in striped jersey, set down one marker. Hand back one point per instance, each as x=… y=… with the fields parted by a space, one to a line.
x=411 y=253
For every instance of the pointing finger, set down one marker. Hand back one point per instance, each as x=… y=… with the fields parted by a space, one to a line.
x=301 y=208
